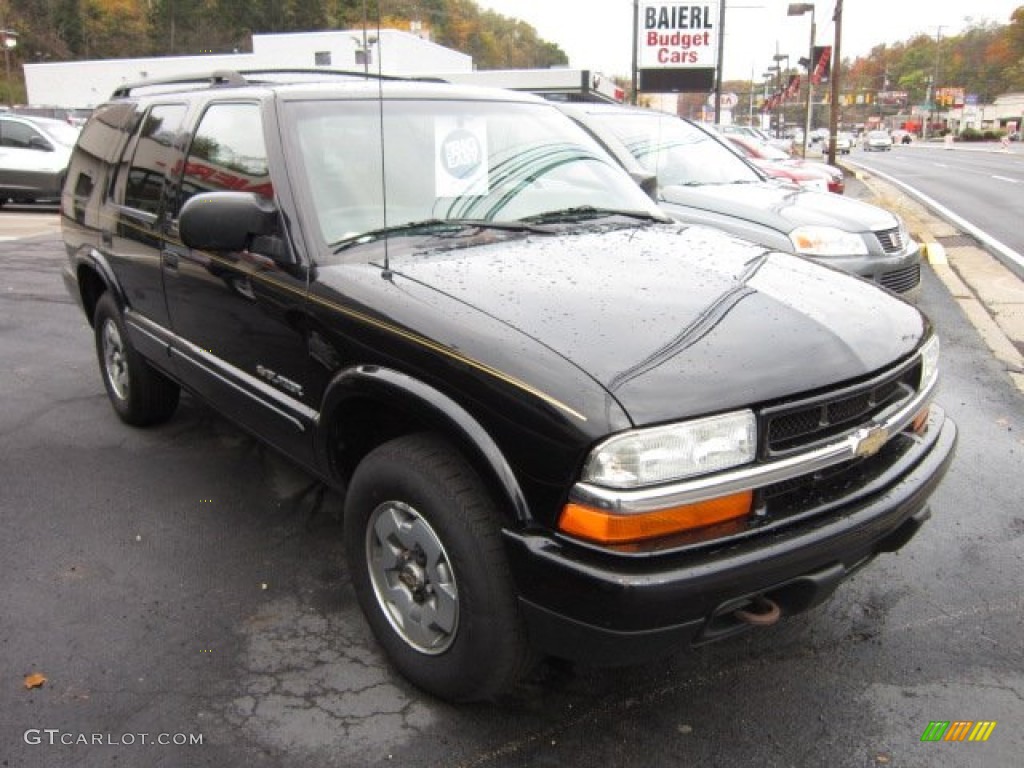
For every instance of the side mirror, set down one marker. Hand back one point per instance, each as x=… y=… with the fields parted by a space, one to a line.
x=226 y=221
x=647 y=181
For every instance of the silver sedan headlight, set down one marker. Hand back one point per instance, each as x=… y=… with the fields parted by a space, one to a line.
x=827 y=241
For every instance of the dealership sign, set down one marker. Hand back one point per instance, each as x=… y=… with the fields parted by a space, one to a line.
x=677 y=45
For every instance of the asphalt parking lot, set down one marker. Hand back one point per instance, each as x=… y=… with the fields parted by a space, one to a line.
x=186 y=582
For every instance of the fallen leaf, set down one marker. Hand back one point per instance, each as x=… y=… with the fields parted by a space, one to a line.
x=34 y=680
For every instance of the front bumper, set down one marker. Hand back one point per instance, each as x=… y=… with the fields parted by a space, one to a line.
x=612 y=609
x=900 y=272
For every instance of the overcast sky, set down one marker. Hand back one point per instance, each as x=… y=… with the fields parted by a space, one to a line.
x=597 y=34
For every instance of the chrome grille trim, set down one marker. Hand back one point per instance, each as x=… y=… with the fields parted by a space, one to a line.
x=843 y=448
x=892 y=240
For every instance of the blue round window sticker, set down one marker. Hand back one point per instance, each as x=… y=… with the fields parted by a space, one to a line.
x=461 y=154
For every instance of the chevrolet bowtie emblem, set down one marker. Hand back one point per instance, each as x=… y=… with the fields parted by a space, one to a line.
x=869 y=441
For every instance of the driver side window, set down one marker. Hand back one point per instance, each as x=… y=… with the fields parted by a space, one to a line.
x=227 y=153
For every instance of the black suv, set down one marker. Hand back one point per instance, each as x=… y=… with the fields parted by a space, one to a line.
x=562 y=424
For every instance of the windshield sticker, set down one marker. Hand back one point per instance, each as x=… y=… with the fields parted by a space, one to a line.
x=460 y=167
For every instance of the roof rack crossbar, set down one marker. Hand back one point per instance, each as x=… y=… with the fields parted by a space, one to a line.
x=220 y=77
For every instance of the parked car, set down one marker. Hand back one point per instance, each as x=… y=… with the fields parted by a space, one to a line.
x=784 y=144
x=844 y=143
x=777 y=164
x=561 y=423
x=699 y=181
x=34 y=154
x=877 y=141
x=900 y=136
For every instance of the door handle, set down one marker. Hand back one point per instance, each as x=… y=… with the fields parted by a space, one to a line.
x=170 y=261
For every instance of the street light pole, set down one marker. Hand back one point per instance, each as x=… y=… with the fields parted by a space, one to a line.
x=780 y=115
x=9 y=40
x=833 y=118
x=799 y=9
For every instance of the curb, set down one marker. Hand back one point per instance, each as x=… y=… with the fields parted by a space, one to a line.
x=963 y=285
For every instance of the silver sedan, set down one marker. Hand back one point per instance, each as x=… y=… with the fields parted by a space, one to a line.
x=34 y=153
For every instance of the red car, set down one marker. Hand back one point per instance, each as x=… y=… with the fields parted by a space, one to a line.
x=778 y=164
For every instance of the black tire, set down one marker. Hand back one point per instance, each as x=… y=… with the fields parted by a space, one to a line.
x=140 y=395
x=449 y=564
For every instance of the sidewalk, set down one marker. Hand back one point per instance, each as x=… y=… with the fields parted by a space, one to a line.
x=990 y=295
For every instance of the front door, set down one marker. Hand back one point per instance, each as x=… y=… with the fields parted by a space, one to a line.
x=238 y=317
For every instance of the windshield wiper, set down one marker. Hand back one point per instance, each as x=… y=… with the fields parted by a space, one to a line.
x=434 y=225
x=585 y=212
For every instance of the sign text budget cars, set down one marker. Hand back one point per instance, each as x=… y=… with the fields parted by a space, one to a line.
x=677 y=35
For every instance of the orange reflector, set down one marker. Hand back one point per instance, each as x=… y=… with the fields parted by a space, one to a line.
x=608 y=528
x=920 y=422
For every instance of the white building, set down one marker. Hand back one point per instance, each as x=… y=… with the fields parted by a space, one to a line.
x=88 y=83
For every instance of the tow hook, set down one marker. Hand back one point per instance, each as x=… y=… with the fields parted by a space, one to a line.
x=761 y=612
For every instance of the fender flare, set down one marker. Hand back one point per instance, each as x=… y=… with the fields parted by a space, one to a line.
x=97 y=262
x=433 y=406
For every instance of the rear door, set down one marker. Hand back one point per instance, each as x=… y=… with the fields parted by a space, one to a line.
x=137 y=204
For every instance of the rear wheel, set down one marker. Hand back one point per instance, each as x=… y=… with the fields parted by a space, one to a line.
x=423 y=540
x=140 y=395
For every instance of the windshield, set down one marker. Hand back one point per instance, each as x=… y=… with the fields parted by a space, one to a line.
x=678 y=152
x=449 y=161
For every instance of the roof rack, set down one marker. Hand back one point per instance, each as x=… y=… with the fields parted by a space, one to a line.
x=233 y=78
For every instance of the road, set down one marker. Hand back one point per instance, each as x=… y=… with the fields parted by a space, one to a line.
x=981 y=183
x=184 y=580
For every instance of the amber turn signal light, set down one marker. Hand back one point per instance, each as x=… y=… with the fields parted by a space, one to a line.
x=920 y=423
x=609 y=528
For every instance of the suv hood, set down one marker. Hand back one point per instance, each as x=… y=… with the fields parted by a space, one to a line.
x=782 y=208
x=672 y=321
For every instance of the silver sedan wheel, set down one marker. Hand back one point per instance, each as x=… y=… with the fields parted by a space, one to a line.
x=412 y=577
x=115 y=360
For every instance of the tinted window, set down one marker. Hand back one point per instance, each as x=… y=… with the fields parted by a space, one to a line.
x=227 y=153
x=15 y=134
x=152 y=157
x=95 y=157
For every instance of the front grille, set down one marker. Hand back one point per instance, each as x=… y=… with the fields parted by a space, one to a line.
x=902 y=280
x=891 y=240
x=794 y=426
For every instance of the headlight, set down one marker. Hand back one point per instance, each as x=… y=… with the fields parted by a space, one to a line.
x=660 y=454
x=929 y=361
x=827 y=241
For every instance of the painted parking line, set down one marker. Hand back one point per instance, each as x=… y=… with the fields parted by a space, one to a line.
x=1006 y=179
x=16 y=225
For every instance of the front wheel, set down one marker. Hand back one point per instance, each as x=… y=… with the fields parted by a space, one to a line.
x=139 y=394
x=423 y=540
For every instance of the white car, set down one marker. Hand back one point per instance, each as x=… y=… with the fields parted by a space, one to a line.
x=844 y=143
x=877 y=140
